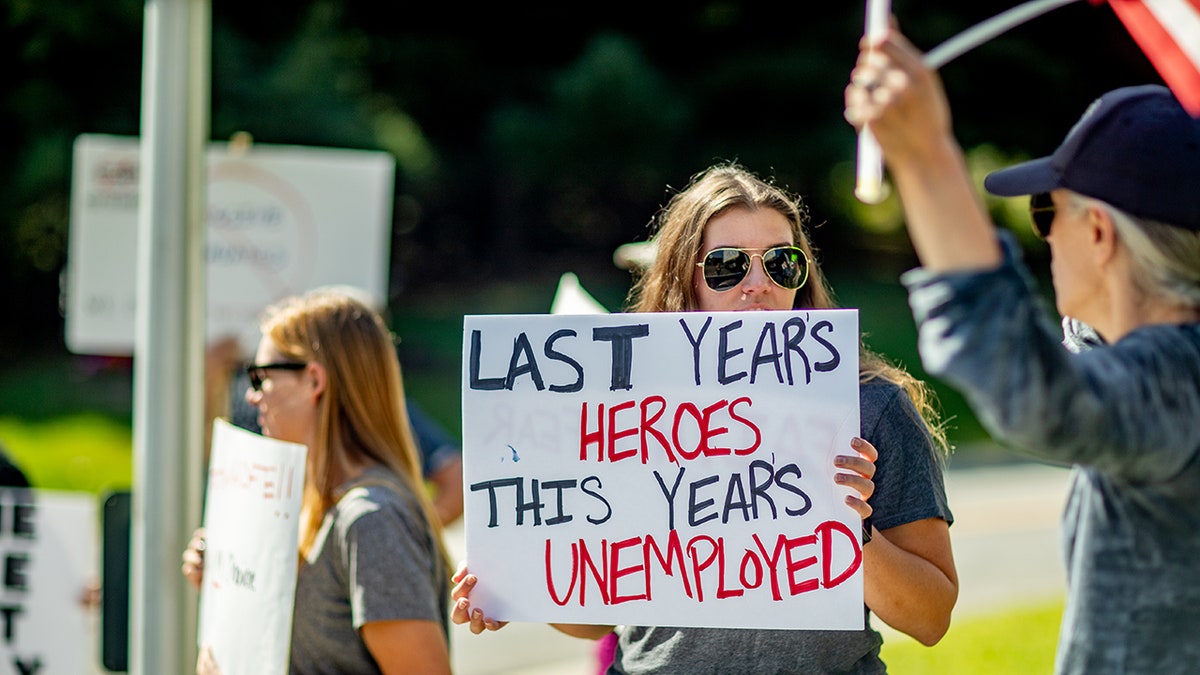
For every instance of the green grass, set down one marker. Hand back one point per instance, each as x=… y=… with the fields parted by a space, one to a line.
x=1019 y=641
x=84 y=452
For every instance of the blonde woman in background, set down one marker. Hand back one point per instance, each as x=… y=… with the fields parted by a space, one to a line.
x=733 y=242
x=372 y=581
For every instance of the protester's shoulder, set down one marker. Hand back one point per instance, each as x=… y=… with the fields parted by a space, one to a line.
x=887 y=415
x=376 y=490
x=878 y=395
x=1165 y=354
x=1176 y=342
x=1010 y=281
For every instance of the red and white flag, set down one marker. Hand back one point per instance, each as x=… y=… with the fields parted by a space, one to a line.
x=1168 y=31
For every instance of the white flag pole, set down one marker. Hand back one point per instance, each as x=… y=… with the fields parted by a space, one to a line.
x=868 y=186
x=980 y=33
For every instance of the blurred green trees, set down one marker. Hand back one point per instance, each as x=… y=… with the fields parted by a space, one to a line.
x=539 y=136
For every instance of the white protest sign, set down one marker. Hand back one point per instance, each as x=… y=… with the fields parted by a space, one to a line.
x=281 y=220
x=662 y=469
x=252 y=509
x=47 y=560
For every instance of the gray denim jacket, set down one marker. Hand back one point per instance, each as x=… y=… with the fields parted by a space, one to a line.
x=1127 y=417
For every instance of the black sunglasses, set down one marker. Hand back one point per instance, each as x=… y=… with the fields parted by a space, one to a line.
x=257 y=371
x=725 y=267
x=1041 y=210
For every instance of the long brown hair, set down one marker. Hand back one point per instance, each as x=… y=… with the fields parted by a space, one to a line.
x=362 y=418
x=678 y=231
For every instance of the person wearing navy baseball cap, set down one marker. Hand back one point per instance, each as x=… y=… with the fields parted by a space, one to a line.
x=1135 y=148
x=1118 y=203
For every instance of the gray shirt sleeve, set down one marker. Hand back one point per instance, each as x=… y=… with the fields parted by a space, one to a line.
x=1128 y=409
x=374 y=560
x=383 y=544
x=909 y=483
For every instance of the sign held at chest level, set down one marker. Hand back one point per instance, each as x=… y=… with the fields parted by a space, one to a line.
x=690 y=481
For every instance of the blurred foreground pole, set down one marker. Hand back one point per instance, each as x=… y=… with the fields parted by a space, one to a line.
x=169 y=346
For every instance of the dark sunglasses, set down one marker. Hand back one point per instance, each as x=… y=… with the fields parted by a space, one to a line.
x=1041 y=210
x=257 y=371
x=724 y=268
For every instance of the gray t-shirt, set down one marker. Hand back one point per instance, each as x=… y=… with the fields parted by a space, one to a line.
x=374 y=560
x=909 y=486
x=1127 y=416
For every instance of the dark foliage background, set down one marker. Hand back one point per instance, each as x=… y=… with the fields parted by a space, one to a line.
x=533 y=139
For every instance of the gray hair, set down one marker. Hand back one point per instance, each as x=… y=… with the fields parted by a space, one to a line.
x=1166 y=259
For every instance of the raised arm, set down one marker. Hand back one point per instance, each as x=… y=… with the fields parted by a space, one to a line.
x=903 y=102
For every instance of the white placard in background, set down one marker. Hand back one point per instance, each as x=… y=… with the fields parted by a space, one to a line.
x=45 y=548
x=662 y=469
x=252 y=507
x=282 y=220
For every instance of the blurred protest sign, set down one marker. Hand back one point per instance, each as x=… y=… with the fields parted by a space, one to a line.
x=662 y=469
x=252 y=507
x=46 y=541
x=281 y=220
x=572 y=298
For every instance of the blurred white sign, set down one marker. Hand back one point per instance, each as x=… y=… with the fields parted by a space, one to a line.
x=572 y=298
x=281 y=220
x=252 y=508
x=47 y=545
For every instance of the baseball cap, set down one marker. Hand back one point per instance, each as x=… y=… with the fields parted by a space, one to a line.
x=1135 y=148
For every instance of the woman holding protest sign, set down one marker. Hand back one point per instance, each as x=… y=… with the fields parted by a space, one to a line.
x=370 y=592
x=733 y=242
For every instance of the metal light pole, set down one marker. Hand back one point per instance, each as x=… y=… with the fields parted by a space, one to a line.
x=169 y=345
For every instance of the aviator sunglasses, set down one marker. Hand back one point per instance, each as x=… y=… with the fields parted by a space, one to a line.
x=257 y=371
x=725 y=267
x=1041 y=210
